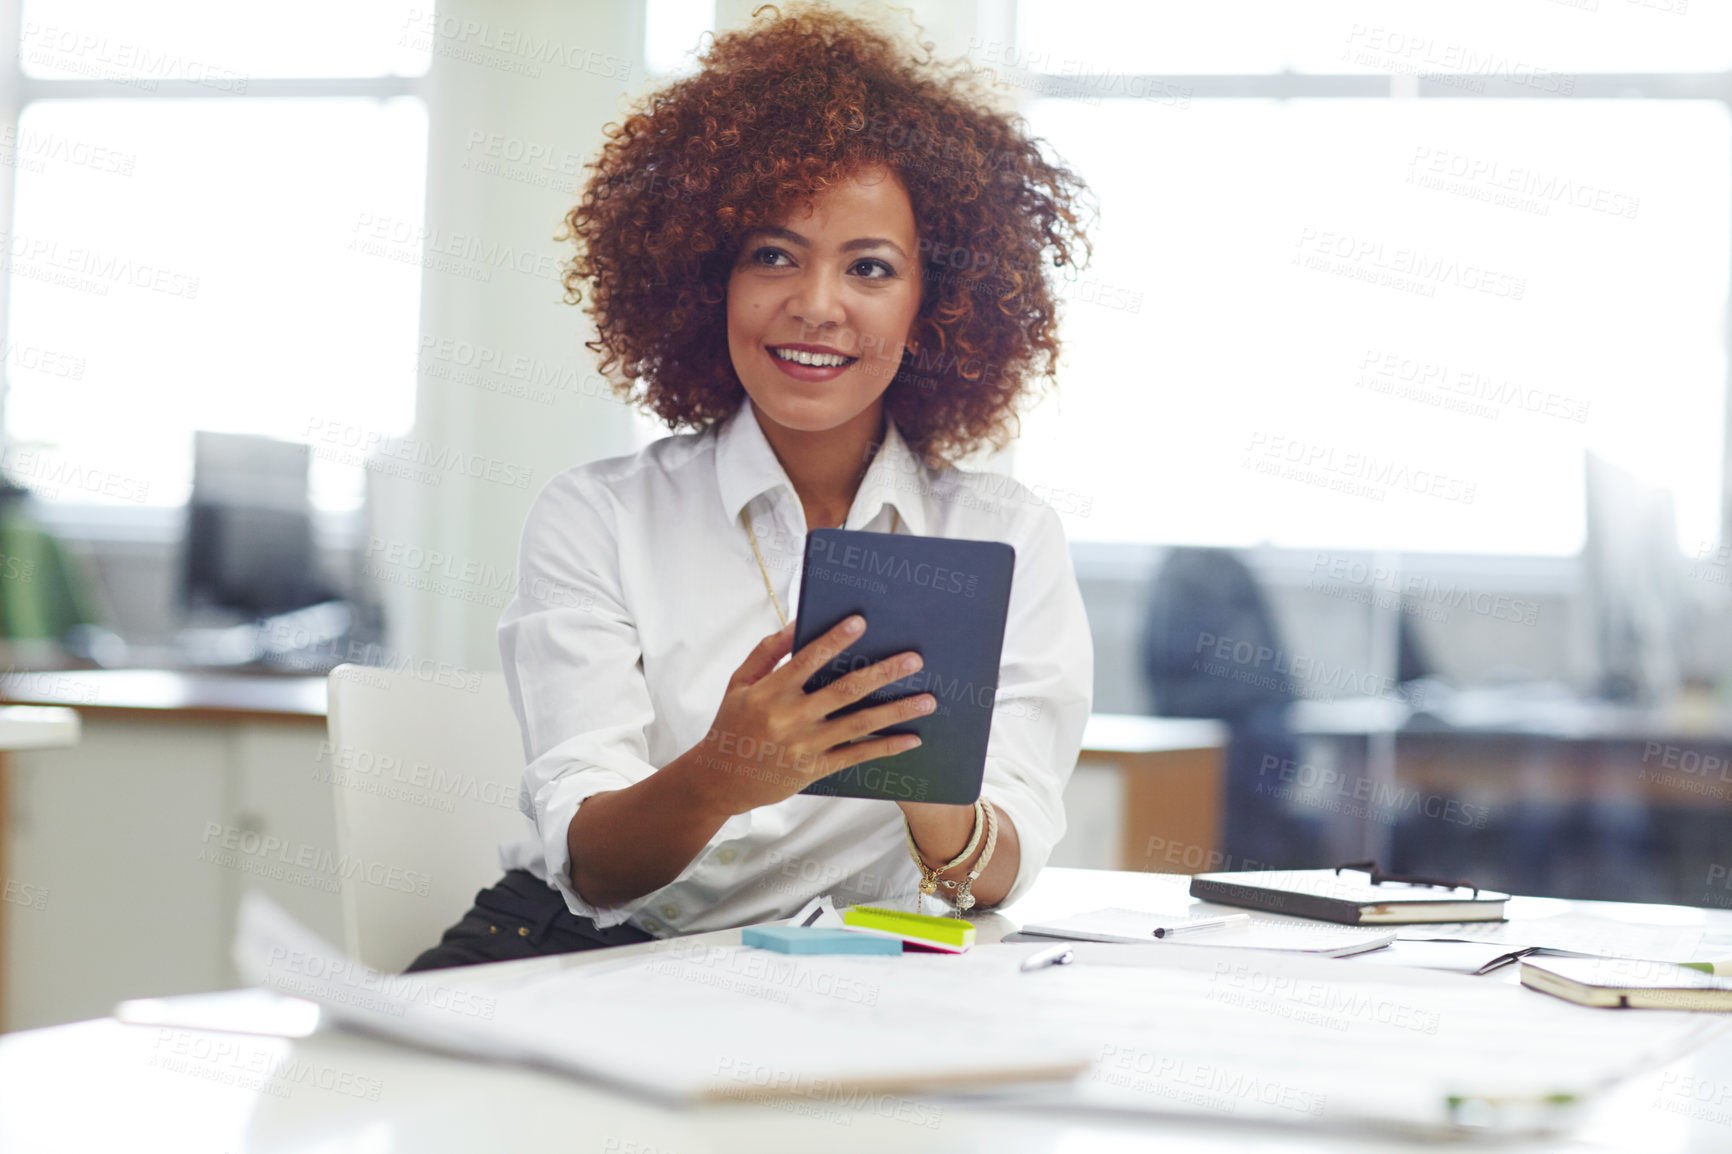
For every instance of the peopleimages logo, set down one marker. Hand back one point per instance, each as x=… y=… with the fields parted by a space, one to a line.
x=887 y=565
x=878 y=778
x=251 y=844
x=1298 y=674
x=1364 y=258
x=1329 y=788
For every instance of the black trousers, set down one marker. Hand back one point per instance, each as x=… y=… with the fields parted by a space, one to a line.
x=520 y=917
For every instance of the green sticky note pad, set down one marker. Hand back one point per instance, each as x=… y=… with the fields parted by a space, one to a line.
x=813 y=940
x=952 y=935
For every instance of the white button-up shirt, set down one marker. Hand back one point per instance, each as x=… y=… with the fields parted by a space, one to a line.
x=638 y=596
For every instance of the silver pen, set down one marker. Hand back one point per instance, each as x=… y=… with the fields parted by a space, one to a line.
x=1203 y=924
x=1057 y=956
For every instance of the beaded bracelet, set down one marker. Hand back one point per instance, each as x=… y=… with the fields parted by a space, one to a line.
x=928 y=875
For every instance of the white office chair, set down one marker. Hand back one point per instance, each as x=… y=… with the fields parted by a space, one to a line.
x=426 y=778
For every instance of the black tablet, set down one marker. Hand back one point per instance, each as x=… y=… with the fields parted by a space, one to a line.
x=945 y=599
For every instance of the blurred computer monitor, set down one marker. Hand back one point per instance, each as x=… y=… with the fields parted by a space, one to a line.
x=249 y=535
x=1633 y=576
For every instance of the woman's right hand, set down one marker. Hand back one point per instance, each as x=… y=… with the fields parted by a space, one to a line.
x=771 y=738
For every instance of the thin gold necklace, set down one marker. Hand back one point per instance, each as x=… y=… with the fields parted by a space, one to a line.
x=895 y=524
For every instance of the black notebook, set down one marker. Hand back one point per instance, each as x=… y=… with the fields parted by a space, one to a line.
x=1348 y=896
x=945 y=599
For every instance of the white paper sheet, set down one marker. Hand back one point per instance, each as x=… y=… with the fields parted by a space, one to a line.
x=688 y=1021
x=1294 y=1039
x=1256 y=933
x=1249 y=1034
x=1578 y=933
x=1451 y=957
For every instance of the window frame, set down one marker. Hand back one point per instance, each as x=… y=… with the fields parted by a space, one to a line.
x=83 y=520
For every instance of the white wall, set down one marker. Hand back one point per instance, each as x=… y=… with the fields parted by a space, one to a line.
x=558 y=116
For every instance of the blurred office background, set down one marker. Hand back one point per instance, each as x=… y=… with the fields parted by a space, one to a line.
x=1391 y=431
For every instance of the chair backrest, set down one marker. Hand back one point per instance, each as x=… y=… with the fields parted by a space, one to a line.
x=426 y=776
x=1198 y=597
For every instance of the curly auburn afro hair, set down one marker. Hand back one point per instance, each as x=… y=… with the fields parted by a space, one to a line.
x=776 y=114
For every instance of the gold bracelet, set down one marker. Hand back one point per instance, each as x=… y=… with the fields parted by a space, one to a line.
x=928 y=875
x=964 y=888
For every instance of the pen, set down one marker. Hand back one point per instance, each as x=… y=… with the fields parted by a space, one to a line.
x=1202 y=924
x=1057 y=956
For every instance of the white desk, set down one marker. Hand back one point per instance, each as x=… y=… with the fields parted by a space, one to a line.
x=160 y=757
x=37 y=727
x=25 y=727
x=100 y=1085
x=1170 y=786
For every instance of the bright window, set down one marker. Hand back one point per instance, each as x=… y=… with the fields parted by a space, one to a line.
x=1385 y=323
x=223 y=44
x=1525 y=40
x=237 y=262
x=226 y=279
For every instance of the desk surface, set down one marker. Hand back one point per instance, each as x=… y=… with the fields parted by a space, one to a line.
x=37 y=727
x=1468 y=713
x=1527 y=712
x=101 y=1085
x=164 y=692
x=1134 y=733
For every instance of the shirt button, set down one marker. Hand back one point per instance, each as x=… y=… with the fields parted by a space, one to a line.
x=727 y=855
x=670 y=911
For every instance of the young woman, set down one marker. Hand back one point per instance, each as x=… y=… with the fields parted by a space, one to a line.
x=828 y=257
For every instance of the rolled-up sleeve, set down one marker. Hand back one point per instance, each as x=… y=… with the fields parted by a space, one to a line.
x=1045 y=691
x=574 y=670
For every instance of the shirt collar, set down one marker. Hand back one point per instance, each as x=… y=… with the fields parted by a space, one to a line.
x=896 y=478
x=747 y=468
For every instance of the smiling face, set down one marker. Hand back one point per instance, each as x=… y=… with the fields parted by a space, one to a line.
x=822 y=302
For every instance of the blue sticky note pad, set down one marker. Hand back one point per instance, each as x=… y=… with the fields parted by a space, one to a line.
x=813 y=940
